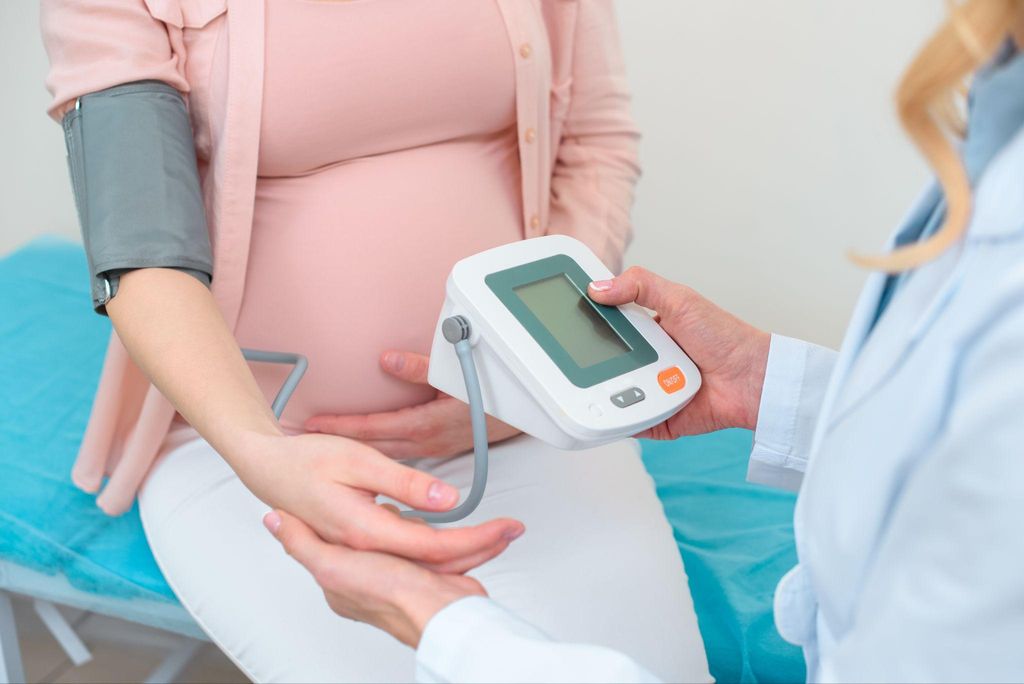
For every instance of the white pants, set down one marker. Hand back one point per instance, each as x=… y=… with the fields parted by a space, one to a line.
x=598 y=564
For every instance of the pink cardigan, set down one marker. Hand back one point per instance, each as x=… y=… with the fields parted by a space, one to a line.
x=577 y=155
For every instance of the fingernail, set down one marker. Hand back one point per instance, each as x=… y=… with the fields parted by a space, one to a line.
x=513 y=534
x=601 y=285
x=394 y=361
x=272 y=521
x=440 y=493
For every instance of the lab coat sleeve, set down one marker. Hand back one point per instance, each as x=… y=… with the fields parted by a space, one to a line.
x=476 y=640
x=794 y=385
x=945 y=598
x=596 y=163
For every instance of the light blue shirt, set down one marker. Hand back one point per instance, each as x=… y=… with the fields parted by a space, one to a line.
x=908 y=450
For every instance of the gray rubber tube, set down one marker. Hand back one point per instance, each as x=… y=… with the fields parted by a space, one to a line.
x=479 y=420
x=290 y=383
x=456 y=331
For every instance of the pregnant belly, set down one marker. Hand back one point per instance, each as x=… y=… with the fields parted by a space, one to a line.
x=352 y=260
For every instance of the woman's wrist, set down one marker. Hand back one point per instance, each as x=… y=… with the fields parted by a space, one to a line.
x=249 y=450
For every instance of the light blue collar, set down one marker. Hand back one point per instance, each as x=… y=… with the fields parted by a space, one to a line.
x=993 y=149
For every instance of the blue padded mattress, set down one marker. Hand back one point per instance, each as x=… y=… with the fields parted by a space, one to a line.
x=736 y=539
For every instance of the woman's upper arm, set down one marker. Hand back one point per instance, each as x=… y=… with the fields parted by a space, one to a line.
x=130 y=147
x=600 y=98
x=97 y=44
x=596 y=165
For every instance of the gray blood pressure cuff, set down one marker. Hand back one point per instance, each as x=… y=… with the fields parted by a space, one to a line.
x=133 y=172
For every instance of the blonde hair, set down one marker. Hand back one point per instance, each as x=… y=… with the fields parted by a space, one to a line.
x=928 y=99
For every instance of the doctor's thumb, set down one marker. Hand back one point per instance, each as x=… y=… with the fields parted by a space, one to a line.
x=298 y=539
x=637 y=285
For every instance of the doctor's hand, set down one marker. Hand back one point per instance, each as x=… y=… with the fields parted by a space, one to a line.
x=438 y=428
x=331 y=483
x=393 y=594
x=731 y=354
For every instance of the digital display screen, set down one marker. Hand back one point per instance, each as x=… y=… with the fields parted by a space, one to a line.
x=572 y=320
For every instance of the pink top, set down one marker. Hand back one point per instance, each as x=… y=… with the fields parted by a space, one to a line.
x=576 y=162
x=387 y=152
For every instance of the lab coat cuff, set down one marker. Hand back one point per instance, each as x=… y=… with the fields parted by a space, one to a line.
x=446 y=650
x=794 y=385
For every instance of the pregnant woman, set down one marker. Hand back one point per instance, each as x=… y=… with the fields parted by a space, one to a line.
x=300 y=175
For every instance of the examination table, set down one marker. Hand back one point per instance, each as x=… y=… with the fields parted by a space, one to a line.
x=57 y=548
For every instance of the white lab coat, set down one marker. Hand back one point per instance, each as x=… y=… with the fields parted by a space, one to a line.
x=908 y=449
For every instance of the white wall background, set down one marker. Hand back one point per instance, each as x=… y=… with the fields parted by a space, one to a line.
x=35 y=193
x=770 y=145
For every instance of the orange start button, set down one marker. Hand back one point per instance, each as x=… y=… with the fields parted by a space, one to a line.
x=672 y=379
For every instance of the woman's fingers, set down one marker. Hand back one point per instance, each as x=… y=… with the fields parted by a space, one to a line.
x=638 y=285
x=408 y=366
x=437 y=428
x=397 y=448
x=412 y=487
x=399 y=424
x=420 y=423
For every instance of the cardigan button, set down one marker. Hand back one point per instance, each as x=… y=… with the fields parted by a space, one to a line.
x=530 y=135
x=535 y=222
x=525 y=51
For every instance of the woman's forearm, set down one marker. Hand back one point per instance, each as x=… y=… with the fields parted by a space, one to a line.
x=174 y=331
x=171 y=326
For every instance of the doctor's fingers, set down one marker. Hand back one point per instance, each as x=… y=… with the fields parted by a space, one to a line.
x=298 y=538
x=459 y=565
x=466 y=563
x=659 y=432
x=644 y=287
x=462 y=565
x=334 y=567
x=381 y=530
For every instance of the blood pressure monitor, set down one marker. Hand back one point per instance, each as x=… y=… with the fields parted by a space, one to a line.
x=550 y=361
x=519 y=338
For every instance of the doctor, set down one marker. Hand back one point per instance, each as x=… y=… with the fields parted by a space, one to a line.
x=907 y=446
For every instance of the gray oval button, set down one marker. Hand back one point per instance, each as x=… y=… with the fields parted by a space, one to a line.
x=628 y=397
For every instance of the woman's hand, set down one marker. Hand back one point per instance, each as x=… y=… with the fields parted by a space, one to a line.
x=730 y=354
x=331 y=483
x=439 y=428
x=395 y=595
